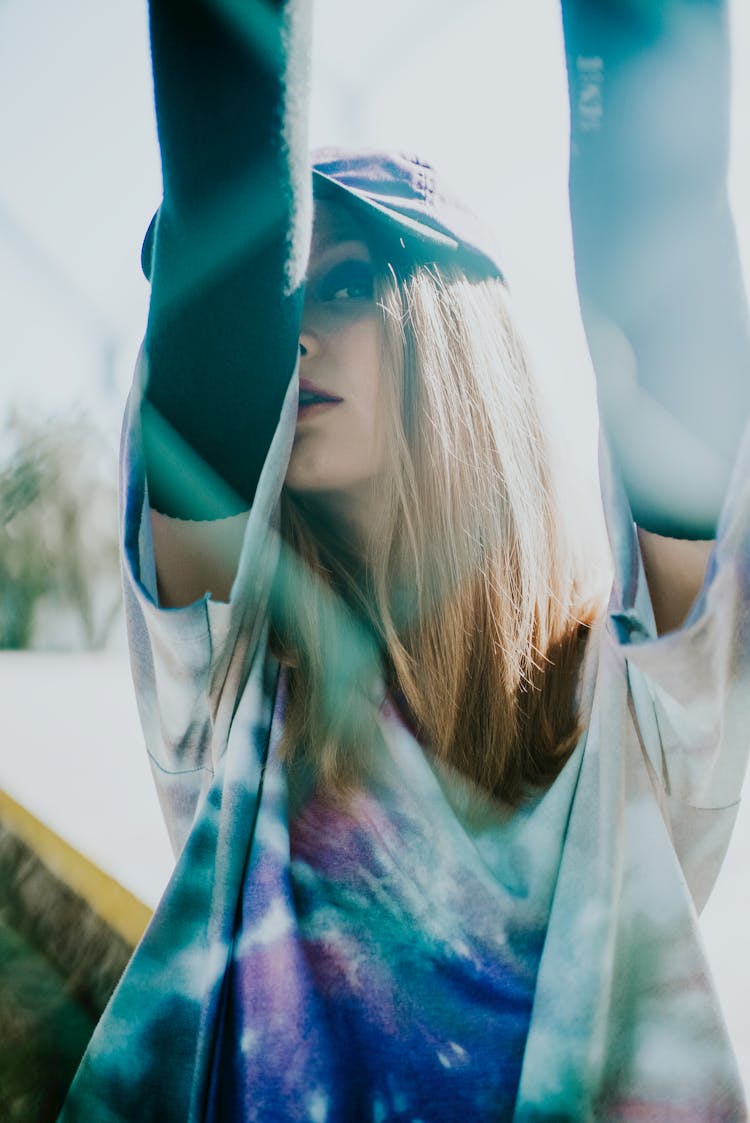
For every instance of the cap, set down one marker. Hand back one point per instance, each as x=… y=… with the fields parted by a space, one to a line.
x=401 y=200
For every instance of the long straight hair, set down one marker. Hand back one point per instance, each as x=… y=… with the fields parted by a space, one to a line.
x=468 y=605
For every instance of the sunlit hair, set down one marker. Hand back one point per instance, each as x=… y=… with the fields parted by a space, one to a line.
x=468 y=603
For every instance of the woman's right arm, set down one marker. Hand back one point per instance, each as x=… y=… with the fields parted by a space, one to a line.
x=227 y=261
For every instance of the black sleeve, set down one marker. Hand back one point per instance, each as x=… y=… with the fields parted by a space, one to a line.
x=229 y=248
x=655 y=246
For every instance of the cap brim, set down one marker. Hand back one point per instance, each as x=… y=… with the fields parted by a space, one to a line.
x=390 y=222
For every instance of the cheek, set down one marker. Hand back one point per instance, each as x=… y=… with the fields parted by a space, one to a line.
x=345 y=447
x=359 y=361
x=361 y=420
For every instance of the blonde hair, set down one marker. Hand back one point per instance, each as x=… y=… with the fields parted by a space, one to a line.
x=468 y=603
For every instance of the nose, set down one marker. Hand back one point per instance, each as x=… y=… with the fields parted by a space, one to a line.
x=308 y=344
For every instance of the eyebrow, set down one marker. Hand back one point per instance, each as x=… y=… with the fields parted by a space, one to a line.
x=323 y=253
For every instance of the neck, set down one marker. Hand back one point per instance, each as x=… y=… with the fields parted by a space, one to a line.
x=352 y=514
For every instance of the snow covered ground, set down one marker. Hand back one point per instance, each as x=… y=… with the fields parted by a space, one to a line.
x=71 y=751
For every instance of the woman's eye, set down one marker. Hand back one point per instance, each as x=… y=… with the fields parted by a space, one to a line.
x=351 y=280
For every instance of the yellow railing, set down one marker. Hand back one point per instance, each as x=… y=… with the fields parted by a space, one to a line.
x=124 y=913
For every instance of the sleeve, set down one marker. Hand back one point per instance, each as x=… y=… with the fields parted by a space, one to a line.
x=666 y=318
x=227 y=251
x=689 y=689
x=655 y=248
x=210 y=420
x=190 y=665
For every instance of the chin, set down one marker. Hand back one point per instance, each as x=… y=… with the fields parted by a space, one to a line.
x=306 y=484
x=327 y=492
x=316 y=479
x=341 y=493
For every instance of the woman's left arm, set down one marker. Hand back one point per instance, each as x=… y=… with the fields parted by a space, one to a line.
x=658 y=269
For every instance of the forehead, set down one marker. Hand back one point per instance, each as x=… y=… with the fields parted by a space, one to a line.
x=334 y=223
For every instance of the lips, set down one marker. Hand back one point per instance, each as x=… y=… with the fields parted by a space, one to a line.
x=310 y=394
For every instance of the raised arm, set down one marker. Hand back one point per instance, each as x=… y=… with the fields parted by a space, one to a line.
x=228 y=250
x=657 y=264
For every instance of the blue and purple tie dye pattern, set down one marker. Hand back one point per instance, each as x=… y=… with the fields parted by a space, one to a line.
x=428 y=955
x=380 y=972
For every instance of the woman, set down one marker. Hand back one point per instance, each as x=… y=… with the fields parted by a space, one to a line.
x=442 y=822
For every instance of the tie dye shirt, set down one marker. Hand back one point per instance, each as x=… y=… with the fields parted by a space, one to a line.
x=428 y=955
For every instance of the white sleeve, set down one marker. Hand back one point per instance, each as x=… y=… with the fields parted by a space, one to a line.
x=690 y=689
x=190 y=664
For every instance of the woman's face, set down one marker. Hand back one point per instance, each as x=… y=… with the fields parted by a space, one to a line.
x=338 y=444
